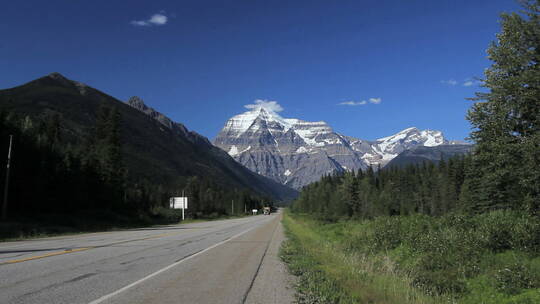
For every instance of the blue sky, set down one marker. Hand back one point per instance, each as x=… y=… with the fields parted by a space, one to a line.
x=200 y=62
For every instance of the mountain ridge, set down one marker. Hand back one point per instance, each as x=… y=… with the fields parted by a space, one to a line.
x=297 y=152
x=434 y=154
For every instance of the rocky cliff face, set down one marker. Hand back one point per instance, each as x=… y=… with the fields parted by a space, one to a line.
x=296 y=152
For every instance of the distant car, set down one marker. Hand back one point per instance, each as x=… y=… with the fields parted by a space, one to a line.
x=266 y=210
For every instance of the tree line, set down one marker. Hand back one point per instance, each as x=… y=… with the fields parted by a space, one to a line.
x=427 y=189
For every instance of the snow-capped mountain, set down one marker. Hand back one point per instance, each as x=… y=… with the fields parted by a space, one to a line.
x=296 y=152
x=386 y=148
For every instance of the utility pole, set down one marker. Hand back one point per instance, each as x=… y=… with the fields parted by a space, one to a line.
x=232 y=207
x=183 y=205
x=6 y=187
x=245 y=208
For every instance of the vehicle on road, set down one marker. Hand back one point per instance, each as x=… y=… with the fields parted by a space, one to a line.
x=266 y=210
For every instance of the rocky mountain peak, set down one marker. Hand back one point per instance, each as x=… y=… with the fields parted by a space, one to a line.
x=297 y=152
x=426 y=137
x=58 y=79
x=57 y=76
x=137 y=103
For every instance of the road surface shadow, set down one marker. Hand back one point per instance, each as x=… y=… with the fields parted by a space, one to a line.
x=32 y=250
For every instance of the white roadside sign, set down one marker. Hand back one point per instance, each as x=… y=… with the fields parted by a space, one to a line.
x=178 y=202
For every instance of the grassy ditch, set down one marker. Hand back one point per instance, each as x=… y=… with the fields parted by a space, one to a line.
x=489 y=258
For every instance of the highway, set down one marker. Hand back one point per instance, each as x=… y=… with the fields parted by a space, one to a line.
x=208 y=262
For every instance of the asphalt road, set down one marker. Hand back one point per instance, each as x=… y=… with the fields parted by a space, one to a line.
x=210 y=262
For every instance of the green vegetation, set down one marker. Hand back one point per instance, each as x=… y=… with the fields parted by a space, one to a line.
x=466 y=230
x=329 y=272
x=488 y=258
x=505 y=170
x=427 y=189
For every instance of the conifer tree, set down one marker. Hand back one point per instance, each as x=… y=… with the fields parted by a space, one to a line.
x=108 y=145
x=507 y=118
x=349 y=190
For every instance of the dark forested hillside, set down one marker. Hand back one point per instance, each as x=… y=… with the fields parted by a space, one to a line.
x=71 y=140
x=421 y=154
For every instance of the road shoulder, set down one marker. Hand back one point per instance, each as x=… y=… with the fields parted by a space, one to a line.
x=273 y=283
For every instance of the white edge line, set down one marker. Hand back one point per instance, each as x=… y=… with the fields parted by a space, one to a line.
x=112 y=294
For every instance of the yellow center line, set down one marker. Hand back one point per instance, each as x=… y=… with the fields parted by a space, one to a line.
x=82 y=249
x=46 y=255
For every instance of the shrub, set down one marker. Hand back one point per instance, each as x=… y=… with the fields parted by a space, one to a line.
x=512 y=278
x=442 y=253
x=503 y=230
x=440 y=282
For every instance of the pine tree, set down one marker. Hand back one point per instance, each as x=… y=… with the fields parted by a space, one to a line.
x=507 y=118
x=108 y=145
x=349 y=191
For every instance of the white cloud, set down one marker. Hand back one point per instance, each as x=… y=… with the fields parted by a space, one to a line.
x=471 y=82
x=375 y=100
x=353 y=103
x=156 y=19
x=265 y=104
x=139 y=23
x=451 y=82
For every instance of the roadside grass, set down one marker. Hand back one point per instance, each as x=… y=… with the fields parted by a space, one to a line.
x=328 y=273
x=490 y=258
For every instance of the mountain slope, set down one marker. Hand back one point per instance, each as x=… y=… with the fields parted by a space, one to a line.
x=434 y=154
x=296 y=152
x=154 y=147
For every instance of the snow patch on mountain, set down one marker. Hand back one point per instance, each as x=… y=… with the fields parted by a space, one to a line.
x=302 y=150
x=234 y=150
x=434 y=138
x=390 y=146
x=247 y=121
x=241 y=123
x=296 y=152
